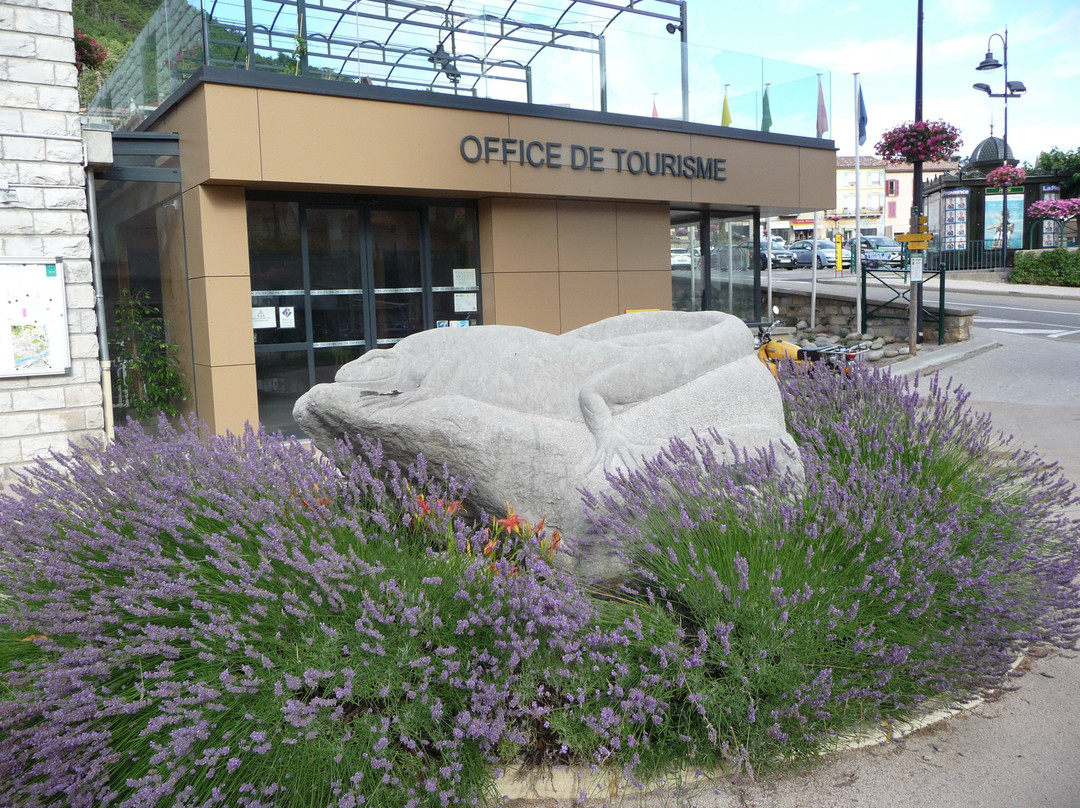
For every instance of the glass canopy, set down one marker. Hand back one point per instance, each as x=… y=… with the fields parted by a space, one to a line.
x=630 y=57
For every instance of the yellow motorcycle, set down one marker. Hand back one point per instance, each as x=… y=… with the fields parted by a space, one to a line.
x=772 y=351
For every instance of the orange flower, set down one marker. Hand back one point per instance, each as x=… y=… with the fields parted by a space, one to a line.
x=421 y=503
x=512 y=523
x=453 y=507
x=489 y=548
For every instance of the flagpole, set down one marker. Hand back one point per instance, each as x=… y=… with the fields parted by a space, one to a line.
x=857 y=256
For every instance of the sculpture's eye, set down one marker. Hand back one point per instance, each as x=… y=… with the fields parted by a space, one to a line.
x=376 y=365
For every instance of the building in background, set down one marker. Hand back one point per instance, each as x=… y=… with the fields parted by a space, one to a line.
x=885 y=199
x=966 y=217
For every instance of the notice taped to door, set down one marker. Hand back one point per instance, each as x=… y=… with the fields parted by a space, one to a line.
x=33 y=319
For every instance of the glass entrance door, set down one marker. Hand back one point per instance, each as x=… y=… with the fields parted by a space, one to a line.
x=331 y=281
x=396 y=282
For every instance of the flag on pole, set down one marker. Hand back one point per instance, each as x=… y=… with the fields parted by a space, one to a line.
x=725 y=118
x=655 y=114
x=766 y=113
x=822 y=113
x=862 y=118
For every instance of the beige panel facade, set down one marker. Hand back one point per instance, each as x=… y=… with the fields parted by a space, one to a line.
x=641 y=234
x=619 y=250
x=227 y=397
x=252 y=135
x=524 y=234
x=585 y=297
x=588 y=239
x=528 y=299
x=219 y=288
x=412 y=149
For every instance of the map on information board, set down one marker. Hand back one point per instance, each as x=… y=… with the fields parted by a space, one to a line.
x=33 y=319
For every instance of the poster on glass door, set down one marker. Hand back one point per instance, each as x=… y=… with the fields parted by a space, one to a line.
x=992 y=217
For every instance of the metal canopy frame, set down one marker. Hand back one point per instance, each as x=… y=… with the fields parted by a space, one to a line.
x=448 y=48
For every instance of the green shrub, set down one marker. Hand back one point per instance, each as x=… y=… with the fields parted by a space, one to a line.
x=1056 y=267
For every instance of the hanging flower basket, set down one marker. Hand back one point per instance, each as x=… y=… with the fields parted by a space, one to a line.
x=922 y=141
x=1005 y=176
x=1058 y=209
x=88 y=52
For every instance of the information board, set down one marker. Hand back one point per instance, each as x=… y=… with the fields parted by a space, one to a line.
x=34 y=337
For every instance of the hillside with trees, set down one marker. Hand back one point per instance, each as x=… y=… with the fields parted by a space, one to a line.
x=114 y=24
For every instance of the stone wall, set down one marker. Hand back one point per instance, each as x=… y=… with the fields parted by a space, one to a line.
x=836 y=314
x=43 y=216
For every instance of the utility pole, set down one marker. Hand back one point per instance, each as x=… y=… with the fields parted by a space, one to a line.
x=915 y=286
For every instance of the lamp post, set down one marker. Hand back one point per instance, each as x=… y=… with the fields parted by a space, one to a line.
x=1013 y=89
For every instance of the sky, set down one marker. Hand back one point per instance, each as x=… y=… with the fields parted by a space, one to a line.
x=877 y=40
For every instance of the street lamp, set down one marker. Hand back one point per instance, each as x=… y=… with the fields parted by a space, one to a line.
x=1013 y=89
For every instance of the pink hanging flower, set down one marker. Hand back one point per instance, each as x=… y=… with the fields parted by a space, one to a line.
x=1004 y=176
x=922 y=141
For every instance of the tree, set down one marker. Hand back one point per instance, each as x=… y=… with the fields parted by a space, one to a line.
x=1058 y=160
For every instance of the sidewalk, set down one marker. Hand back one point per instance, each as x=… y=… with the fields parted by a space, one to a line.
x=954 y=282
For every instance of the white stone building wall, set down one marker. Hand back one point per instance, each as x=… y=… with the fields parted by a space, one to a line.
x=45 y=217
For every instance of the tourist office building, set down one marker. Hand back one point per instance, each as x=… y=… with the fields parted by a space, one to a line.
x=295 y=198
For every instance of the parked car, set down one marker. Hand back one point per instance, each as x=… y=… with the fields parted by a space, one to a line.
x=804 y=252
x=877 y=251
x=781 y=256
x=680 y=257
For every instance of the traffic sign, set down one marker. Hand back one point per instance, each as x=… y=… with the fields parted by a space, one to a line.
x=918 y=245
x=912 y=238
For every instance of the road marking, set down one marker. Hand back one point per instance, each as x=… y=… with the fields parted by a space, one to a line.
x=1049 y=332
x=1020 y=308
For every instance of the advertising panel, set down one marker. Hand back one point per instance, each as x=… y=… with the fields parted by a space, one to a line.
x=33 y=318
x=954 y=228
x=993 y=219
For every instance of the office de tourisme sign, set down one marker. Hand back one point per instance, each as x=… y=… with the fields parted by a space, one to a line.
x=548 y=154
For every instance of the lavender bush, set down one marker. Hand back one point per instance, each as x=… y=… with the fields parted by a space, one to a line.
x=192 y=620
x=920 y=555
x=232 y=621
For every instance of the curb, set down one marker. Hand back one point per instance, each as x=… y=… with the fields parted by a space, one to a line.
x=523 y=787
x=935 y=360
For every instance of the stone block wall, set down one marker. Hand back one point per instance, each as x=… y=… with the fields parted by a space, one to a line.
x=43 y=216
x=836 y=314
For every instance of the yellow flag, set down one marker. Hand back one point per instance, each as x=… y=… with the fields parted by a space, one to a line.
x=725 y=119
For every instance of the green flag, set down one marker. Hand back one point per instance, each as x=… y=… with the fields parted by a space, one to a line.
x=766 y=113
